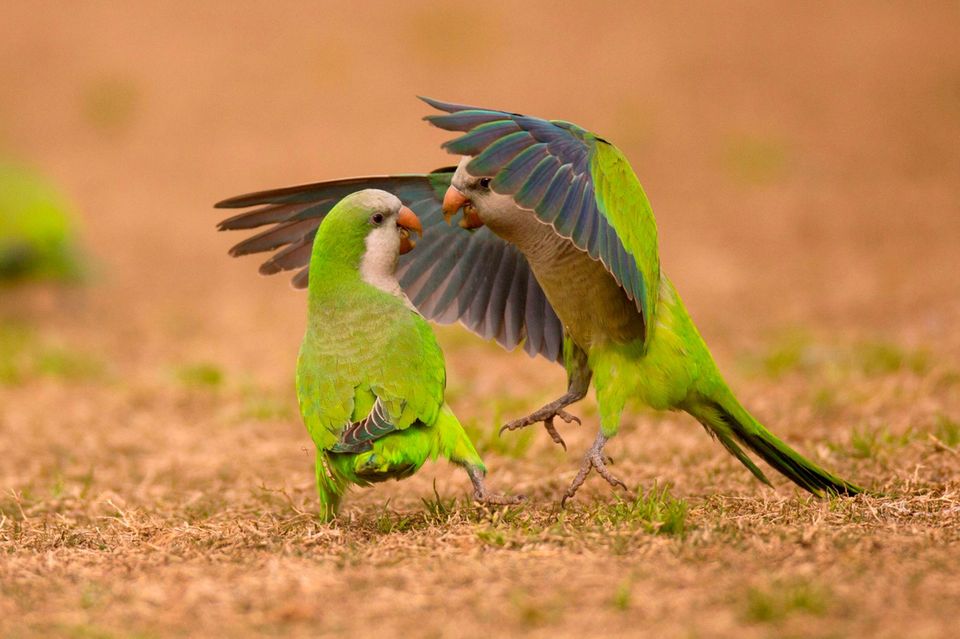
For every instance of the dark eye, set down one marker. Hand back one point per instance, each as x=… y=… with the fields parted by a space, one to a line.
x=485 y=183
x=377 y=218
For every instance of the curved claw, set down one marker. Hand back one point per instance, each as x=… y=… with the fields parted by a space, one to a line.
x=594 y=459
x=545 y=415
x=554 y=435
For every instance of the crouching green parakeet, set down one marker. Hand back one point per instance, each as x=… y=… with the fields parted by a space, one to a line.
x=370 y=375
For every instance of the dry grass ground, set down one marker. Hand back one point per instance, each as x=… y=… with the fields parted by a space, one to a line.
x=804 y=167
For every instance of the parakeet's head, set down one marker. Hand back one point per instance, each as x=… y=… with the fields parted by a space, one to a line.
x=480 y=204
x=368 y=229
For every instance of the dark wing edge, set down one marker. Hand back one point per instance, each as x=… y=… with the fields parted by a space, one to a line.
x=546 y=167
x=358 y=437
x=453 y=275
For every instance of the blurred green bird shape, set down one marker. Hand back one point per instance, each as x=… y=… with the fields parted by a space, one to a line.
x=37 y=240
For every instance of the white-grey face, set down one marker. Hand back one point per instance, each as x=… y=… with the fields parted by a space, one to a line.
x=379 y=263
x=499 y=212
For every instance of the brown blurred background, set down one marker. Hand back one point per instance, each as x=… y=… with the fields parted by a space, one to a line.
x=803 y=162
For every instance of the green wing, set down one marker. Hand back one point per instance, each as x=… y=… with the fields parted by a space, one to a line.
x=571 y=179
x=356 y=384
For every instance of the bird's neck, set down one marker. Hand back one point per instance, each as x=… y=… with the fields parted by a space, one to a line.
x=378 y=265
x=337 y=286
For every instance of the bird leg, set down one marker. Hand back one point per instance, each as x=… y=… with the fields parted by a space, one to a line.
x=481 y=495
x=578 y=382
x=594 y=459
x=546 y=414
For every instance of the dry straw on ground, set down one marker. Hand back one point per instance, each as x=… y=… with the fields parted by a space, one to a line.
x=155 y=480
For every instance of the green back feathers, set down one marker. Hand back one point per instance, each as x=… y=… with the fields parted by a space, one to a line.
x=362 y=343
x=623 y=202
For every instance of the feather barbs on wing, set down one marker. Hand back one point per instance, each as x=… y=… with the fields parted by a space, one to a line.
x=571 y=179
x=447 y=277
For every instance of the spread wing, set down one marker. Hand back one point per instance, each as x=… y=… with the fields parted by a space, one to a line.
x=571 y=179
x=475 y=278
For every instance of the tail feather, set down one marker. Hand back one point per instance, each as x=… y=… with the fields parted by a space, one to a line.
x=728 y=421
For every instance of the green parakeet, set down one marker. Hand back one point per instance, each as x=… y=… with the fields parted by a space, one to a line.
x=35 y=230
x=561 y=255
x=370 y=375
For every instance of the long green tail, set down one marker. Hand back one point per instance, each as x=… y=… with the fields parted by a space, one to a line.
x=730 y=422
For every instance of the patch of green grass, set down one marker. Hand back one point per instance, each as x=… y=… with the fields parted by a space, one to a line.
x=824 y=401
x=948 y=379
x=797 y=352
x=947 y=430
x=882 y=358
x=655 y=511
x=438 y=509
x=24 y=355
x=15 y=342
x=388 y=522
x=91 y=595
x=621 y=597
x=69 y=365
x=492 y=537
x=871 y=442
x=200 y=375
x=750 y=159
x=789 y=353
x=531 y=612
x=780 y=600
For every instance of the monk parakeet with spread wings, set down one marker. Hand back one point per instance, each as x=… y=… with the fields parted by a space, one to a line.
x=370 y=375
x=561 y=255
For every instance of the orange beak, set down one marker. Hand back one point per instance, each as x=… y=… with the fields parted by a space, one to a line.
x=408 y=221
x=453 y=201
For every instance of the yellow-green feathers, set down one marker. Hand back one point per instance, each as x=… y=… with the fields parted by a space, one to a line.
x=369 y=362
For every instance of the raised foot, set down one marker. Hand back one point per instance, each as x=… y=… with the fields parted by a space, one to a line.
x=546 y=415
x=593 y=460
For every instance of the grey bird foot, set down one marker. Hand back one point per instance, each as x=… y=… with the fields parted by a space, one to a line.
x=545 y=415
x=593 y=460
x=482 y=496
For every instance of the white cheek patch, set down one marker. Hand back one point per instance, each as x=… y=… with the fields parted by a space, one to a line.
x=378 y=267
